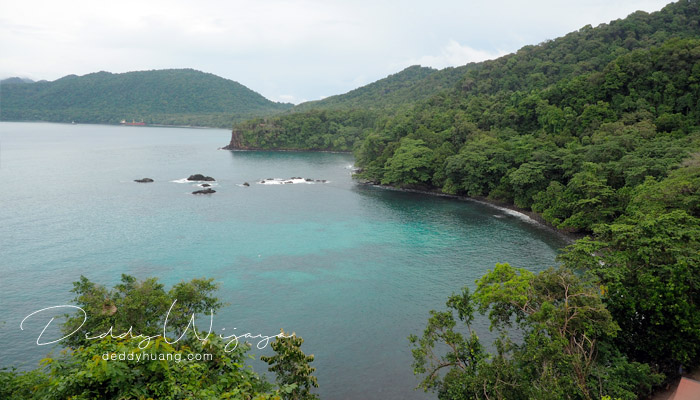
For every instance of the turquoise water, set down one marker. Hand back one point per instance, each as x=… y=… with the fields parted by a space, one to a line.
x=351 y=268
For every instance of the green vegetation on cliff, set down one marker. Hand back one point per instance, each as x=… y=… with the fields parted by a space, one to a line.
x=174 y=97
x=337 y=123
x=407 y=100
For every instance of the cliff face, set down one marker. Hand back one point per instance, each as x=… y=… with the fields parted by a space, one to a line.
x=236 y=141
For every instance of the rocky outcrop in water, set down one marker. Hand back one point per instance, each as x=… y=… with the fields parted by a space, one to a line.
x=143 y=180
x=200 y=177
x=204 y=191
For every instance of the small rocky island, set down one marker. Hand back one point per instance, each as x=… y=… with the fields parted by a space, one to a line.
x=143 y=180
x=204 y=191
x=200 y=177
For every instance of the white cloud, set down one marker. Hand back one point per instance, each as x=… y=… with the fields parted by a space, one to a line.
x=282 y=49
x=454 y=54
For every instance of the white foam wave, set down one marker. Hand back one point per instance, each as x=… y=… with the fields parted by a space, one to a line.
x=195 y=183
x=290 y=181
x=517 y=214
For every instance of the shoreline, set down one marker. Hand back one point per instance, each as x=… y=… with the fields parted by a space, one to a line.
x=288 y=150
x=108 y=124
x=569 y=237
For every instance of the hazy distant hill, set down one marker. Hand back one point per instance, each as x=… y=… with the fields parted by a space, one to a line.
x=338 y=121
x=15 y=80
x=174 y=96
x=408 y=86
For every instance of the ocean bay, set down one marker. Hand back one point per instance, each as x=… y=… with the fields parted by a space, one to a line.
x=351 y=268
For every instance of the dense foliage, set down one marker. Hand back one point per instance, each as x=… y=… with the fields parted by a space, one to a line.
x=173 y=97
x=337 y=123
x=598 y=132
x=570 y=151
x=553 y=343
x=118 y=366
x=611 y=149
x=648 y=263
x=313 y=130
x=413 y=84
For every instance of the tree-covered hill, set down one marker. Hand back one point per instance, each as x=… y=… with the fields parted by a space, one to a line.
x=534 y=67
x=527 y=130
x=413 y=84
x=598 y=132
x=335 y=123
x=176 y=96
x=15 y=81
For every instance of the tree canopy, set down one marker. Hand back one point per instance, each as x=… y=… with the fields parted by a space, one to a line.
x=171 y=97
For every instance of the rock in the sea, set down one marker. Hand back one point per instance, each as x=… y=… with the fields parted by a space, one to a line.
x=309 y=180
x=143 y=180
x=200 y=177
x=205 y=185
x=246 y=184
x=204 y=191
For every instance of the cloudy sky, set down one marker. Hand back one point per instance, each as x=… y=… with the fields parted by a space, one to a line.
x=286 y=50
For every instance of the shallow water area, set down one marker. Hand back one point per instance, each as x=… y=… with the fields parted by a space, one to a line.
x=351 y=268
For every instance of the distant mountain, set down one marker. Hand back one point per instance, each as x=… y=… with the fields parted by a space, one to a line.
x=413 y=84
x=15 y=80
x=336 y=123
x=174 y=96
x=342 y=122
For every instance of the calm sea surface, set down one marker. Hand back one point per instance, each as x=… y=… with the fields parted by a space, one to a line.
x=352 y=269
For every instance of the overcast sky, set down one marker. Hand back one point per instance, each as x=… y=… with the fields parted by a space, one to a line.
x=286 y=50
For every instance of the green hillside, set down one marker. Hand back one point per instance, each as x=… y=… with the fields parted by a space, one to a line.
x=597 y=132
x=532 y=67
x=336 y=123
x=177 y=96
x=519 y=129
x=413 y=84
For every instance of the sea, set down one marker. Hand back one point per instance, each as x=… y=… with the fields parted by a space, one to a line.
x=352 y=268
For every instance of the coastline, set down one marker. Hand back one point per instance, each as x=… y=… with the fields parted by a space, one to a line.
x=111 y=124
x=569 y=237
x=288 y=150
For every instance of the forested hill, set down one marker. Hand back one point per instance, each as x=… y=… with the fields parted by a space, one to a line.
x=175 y=96
x=336 y=123
x=413 y=84
x=597 y=132
x=340 y=122
x=619 y=102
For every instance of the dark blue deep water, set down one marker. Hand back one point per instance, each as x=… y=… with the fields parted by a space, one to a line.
x=351 y=268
